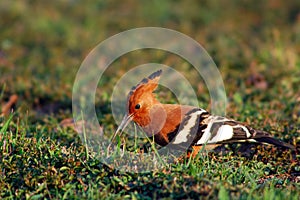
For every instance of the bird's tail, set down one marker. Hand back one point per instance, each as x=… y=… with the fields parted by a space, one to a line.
x=264 y=137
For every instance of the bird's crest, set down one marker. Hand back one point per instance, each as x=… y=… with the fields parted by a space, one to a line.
x=147 y=84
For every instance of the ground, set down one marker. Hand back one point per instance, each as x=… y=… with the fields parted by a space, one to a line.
x=42 y=44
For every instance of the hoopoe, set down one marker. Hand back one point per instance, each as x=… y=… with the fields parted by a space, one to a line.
x=185 y=126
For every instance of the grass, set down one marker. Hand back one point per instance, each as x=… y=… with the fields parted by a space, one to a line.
x=255 y=45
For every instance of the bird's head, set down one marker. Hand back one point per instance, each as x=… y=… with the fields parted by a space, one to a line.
x=140 y=101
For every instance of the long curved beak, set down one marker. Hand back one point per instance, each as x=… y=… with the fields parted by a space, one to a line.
x=125 y=121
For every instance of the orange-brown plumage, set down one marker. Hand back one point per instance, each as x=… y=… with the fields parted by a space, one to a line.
x=154 y=117
x=183 y=125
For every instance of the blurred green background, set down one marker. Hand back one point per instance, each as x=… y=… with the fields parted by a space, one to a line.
x=44 y=43
x=255 y=44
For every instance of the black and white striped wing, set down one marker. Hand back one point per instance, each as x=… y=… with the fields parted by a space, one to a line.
x=199 y=128
x=223 y=130
x=189 y=130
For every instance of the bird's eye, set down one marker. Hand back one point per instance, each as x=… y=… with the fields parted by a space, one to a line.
x=137 y=106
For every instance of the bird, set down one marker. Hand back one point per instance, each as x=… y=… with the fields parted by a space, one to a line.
x=185 y=127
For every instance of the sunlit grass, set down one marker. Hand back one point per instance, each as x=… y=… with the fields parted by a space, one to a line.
x=42 y=46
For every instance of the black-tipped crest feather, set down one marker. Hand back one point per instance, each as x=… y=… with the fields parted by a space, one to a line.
x=145 y=81
x=155 y=74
